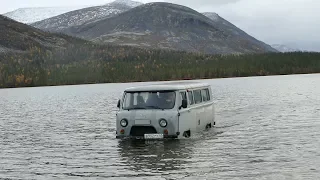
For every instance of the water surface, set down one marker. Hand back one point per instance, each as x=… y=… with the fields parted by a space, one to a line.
x=267 y=128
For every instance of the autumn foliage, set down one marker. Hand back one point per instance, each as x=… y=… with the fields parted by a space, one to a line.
x=92 y=63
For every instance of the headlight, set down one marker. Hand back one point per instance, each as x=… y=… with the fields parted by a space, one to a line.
x=163 y=123
x=124 y=123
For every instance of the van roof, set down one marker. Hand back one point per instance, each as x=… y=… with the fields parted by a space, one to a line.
x=167 y=86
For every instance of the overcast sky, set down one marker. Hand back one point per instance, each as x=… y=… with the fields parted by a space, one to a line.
x=290 y=22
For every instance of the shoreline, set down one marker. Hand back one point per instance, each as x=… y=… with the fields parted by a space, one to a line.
x=196 y=79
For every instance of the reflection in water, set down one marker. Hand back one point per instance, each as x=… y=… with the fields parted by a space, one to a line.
x=155 y=156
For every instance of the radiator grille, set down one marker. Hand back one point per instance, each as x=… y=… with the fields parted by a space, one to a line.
x=141 y=130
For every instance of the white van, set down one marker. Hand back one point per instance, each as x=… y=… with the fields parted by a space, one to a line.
x=169 y=110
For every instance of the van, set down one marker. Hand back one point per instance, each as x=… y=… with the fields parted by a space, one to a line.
x=169 y=110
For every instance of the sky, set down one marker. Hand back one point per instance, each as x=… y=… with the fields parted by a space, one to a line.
x=295 y=23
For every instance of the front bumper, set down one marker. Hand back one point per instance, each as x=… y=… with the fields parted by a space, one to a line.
x=142 y=137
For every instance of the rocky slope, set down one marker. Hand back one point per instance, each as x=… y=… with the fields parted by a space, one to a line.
x=31 y=15
x=19 y=37
x=225 y=25
x=84 y=16
x=170 y=26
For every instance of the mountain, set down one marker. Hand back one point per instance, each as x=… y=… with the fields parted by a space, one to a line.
x=86 y=15
x=30 y=15
x=19 y=37
x=284 y=48
x=169 y=26
x=38 y=58
x=225 y=25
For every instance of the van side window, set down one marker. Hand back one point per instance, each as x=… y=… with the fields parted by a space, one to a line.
x=208 y=94
x=203 y=95
x=183 y=95
x=190 y=95
x=197 y=96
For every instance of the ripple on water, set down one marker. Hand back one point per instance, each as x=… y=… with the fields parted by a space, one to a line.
x=267 y=128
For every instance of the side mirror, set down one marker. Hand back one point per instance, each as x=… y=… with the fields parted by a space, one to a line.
x=184 y=103
x=118 y=105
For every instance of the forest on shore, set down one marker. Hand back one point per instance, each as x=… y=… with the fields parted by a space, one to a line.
x=93 y=63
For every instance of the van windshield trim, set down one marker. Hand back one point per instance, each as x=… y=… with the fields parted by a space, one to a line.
x=146 y=100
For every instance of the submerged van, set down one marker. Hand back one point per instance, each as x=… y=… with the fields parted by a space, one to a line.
x=169 y=110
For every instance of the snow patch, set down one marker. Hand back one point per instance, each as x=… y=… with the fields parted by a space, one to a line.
x=120 y=33
x=86 y=15
x=284 y=48
x=30 y=15
x=213 y=16
x=127 y=2
x=78 y=19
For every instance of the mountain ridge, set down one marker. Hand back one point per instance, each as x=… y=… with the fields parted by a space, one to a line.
x=19 y=37
x=34 y=14
x=84 y=15
x=170 y=26
x=157 y=25
x=233 y=29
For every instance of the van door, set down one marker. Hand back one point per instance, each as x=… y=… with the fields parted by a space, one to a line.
x=185 y=117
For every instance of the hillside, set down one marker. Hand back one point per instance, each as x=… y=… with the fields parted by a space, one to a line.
x=31 y=57
x=168 y=26
x=54 y=59
x=225 y=25
x=84 y=16
x=19 y=37
x=86 y=64
x=31 y=15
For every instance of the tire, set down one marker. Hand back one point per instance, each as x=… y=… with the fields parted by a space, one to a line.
x=187 y=134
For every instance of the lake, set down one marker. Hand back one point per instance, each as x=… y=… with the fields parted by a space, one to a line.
x=267 y=128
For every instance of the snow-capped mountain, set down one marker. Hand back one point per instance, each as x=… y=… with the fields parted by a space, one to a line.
x=284 y=48
x=30 y=15
x=85 y=15
x=169 y=26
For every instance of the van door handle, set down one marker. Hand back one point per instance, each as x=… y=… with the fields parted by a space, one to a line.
x=189 y=110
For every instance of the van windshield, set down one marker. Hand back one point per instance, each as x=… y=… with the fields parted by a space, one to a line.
x=149 y=100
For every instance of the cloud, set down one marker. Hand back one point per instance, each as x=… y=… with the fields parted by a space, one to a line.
x=295 y=22
x=272 y=21
x=276 y=21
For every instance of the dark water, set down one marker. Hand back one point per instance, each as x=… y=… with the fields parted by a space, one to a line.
x=267 y=128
